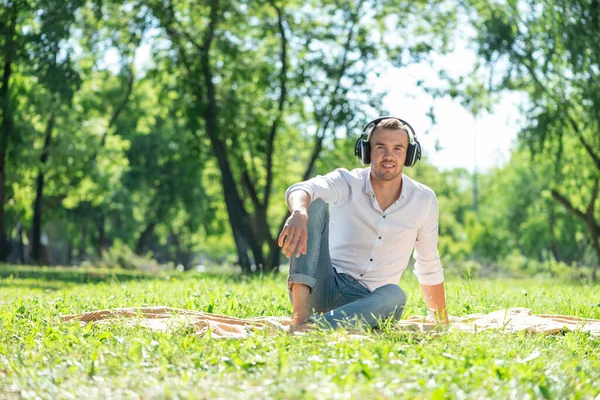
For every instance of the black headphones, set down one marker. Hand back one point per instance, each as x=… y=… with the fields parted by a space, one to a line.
x=362 y=149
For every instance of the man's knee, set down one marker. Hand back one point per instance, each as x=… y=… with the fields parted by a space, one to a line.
x=317 y=208
x=395 y=298
x=318 y=216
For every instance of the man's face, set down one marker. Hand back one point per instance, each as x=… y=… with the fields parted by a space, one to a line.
x=388 y=152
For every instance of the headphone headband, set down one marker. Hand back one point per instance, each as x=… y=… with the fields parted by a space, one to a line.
x=412 y=136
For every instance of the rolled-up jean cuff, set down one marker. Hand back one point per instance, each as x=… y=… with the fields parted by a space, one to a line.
x=303 y=279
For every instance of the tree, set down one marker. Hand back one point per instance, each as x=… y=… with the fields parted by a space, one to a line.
x=262 y=70
x=58 y=81
x=517 y=214
x=34 y=50
x=10 y=41
x=548 y=50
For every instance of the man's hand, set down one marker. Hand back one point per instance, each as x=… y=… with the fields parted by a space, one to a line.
x=294 y=236
x=435 y=298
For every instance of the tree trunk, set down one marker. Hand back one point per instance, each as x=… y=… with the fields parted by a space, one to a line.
x=272 y=260
x=274 y=257
x=36 y=245
x=101 y=235
x=69 y=253
x=242 y=249
x=587 y=217
x=181 y=257
x=82 y=244
x=144 y=239
x=239 y=219
x=246 y=238
x=20 y=246
x=3 y=242
x=6 y=126
x=554 y=245
x=594 y=229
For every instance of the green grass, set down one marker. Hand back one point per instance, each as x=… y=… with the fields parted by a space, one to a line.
x=41 y=356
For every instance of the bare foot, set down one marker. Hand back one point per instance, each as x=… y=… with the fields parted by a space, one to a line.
x=301 y=328
x=299 y=323
x=299 y=318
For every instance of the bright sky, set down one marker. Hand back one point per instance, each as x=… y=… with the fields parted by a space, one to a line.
x=464 y=140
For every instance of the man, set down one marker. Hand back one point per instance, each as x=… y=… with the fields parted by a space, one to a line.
x=346 y=260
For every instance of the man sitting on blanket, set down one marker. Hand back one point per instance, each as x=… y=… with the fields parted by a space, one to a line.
x=376 y=216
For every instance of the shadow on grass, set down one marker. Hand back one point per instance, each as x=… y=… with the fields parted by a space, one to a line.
x=73 y=275
x=35 y=284
x=89 y=275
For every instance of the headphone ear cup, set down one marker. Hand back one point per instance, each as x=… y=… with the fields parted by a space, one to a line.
x=410 y=153
x=413 y=154
x=364 y=152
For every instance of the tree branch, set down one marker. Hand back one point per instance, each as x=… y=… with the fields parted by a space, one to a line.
x=6 y=126
x=322 y=130
x=591 y=207
x=205 y=61
x=282 y=99
x=585 y=144
x=524 y=62
x=249 y=185
x=593 y=225
x=333 y=100
x=302 y=72
x=343 y=66
x=313 y=157
x=175 y=35
x=567 y=204
x=572 y=121
x=121 y=106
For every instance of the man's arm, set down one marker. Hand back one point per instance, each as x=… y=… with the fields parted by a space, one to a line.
x=428 y=267
x=331 y=188
x=435 y=298
x=294 y=236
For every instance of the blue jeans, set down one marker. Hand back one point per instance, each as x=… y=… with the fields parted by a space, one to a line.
x=338 y=299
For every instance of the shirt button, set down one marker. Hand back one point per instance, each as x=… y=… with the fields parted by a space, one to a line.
x=361 y=275
x=379 y=238
x=370 y=259
x=384 y=216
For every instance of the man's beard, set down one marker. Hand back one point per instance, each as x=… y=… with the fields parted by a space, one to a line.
x=383 y=175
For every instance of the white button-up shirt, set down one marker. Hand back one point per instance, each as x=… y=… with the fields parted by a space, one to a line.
x=374 y=245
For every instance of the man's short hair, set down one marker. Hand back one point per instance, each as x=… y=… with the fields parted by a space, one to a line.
x=389 y=123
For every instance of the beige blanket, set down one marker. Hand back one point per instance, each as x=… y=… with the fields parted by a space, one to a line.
x=221 y=326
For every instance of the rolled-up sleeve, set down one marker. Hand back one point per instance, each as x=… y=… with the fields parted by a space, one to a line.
x=428 y=266
x=331 y=188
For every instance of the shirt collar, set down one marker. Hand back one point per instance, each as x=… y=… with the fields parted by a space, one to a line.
x=368 y=188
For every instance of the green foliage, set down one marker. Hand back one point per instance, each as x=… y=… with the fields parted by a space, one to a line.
x=545 y=50
x=453 y=191
x=132 y=163
x=121 y=256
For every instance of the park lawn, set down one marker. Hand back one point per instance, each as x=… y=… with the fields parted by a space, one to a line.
x=41 y=356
